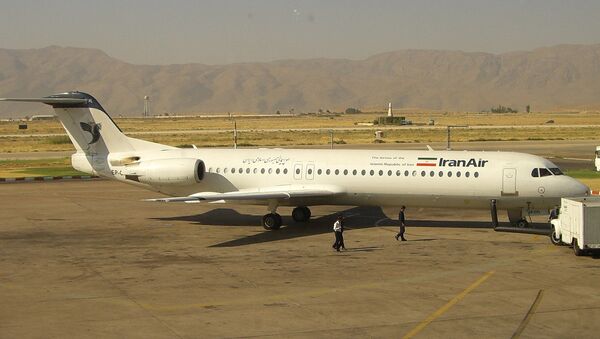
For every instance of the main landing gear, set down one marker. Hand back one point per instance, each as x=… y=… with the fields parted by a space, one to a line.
x=301 y=214
x=272 y=220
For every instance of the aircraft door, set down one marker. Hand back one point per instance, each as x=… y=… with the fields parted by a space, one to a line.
x=310 y=171
x=509 y=181
x=298 y=171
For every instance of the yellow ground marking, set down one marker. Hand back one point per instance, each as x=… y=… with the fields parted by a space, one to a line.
x=447 y=306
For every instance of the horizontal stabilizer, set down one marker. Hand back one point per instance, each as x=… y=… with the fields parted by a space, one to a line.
x=50 y=101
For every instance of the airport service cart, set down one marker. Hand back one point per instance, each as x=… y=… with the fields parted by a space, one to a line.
x=578 y=224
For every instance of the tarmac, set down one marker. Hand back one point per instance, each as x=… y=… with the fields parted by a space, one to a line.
x=88 y=259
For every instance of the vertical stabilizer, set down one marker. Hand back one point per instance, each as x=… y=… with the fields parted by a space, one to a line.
x=89 y=127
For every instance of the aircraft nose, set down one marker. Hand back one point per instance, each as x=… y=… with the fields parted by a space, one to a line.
x=577 y=189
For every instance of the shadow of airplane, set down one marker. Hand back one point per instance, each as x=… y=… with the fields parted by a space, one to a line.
x=355 y=218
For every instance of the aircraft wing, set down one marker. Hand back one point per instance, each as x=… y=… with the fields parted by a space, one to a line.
x=261 y=193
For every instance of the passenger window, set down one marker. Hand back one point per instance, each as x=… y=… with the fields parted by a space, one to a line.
x=467 y=174
x=218 y=170
x=458 y=174
x=398 y=173
x=414 y=173
x=423 y=173
x=476 y=174
x=309 y=171
x=337 y=172
x=441 y=174
x=432 y=173
x=363 y=172
x=328 y=172
x=535 y=173
x=277 y=171
x=270 y=170
x=371 y=172
x=354 y=172
x=297 y=171
x=225 y=170
x=255 y=170
x=262 y=171
x=449 y=174
x=389 y=173
x=285 y=171
x=406 y=173
x=345 y=172
x=210 y=169
x=544 y=172
x=241 y=170
x=380 y=172
x=319 y=171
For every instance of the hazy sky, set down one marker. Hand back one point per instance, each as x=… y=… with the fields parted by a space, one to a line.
x=218 y=32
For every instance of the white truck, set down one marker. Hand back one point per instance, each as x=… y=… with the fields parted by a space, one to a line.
x=578 y=224
x=597 y=160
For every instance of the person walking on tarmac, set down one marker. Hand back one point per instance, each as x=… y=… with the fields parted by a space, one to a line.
x=553 y=213
x=338 y=228
x=402 y=224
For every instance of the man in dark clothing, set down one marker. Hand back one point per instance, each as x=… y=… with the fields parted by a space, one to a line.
x=553 y=213
x=338 y=228
x=402 y=224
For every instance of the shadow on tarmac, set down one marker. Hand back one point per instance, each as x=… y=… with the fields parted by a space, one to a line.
x=355 y=218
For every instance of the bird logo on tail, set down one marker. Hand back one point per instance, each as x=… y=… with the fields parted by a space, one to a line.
x=93 y=129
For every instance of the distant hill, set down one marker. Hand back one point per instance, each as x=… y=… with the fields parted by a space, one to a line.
x=546 y=78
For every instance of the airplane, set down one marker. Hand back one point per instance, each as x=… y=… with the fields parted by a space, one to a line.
x=516 y=182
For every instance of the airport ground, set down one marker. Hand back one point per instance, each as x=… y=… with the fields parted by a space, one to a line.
x=89 y=259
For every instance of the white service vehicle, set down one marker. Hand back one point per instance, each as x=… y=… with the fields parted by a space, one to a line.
x=578 y=224
x=597 y=160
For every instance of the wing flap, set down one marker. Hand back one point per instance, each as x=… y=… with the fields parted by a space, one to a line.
x=263 y=193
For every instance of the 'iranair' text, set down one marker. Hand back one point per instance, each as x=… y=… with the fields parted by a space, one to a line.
x=462 y=163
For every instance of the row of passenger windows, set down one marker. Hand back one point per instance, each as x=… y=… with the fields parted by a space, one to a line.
x=544 y=172
x=355 y=172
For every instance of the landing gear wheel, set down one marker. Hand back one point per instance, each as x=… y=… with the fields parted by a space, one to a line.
x=271 y=221
x=522 y=223
x=301 y=214
x=555 y=239
x=578 y=251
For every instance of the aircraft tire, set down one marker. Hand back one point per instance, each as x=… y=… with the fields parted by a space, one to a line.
x=271 y=221
x=522 y=223
x=301 y=214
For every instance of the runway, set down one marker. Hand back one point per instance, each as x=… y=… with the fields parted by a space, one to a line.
x=90 y=259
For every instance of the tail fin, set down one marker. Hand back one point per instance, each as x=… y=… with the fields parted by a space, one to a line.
x=89 y=127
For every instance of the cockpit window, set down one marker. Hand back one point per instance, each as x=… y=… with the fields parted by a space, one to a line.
x=535 y=173
x=556 y=171
x=544 y=172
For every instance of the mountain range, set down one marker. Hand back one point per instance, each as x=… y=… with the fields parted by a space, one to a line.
x=557 y=77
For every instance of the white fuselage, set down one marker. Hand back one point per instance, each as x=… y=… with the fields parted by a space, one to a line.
x=457 y=179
